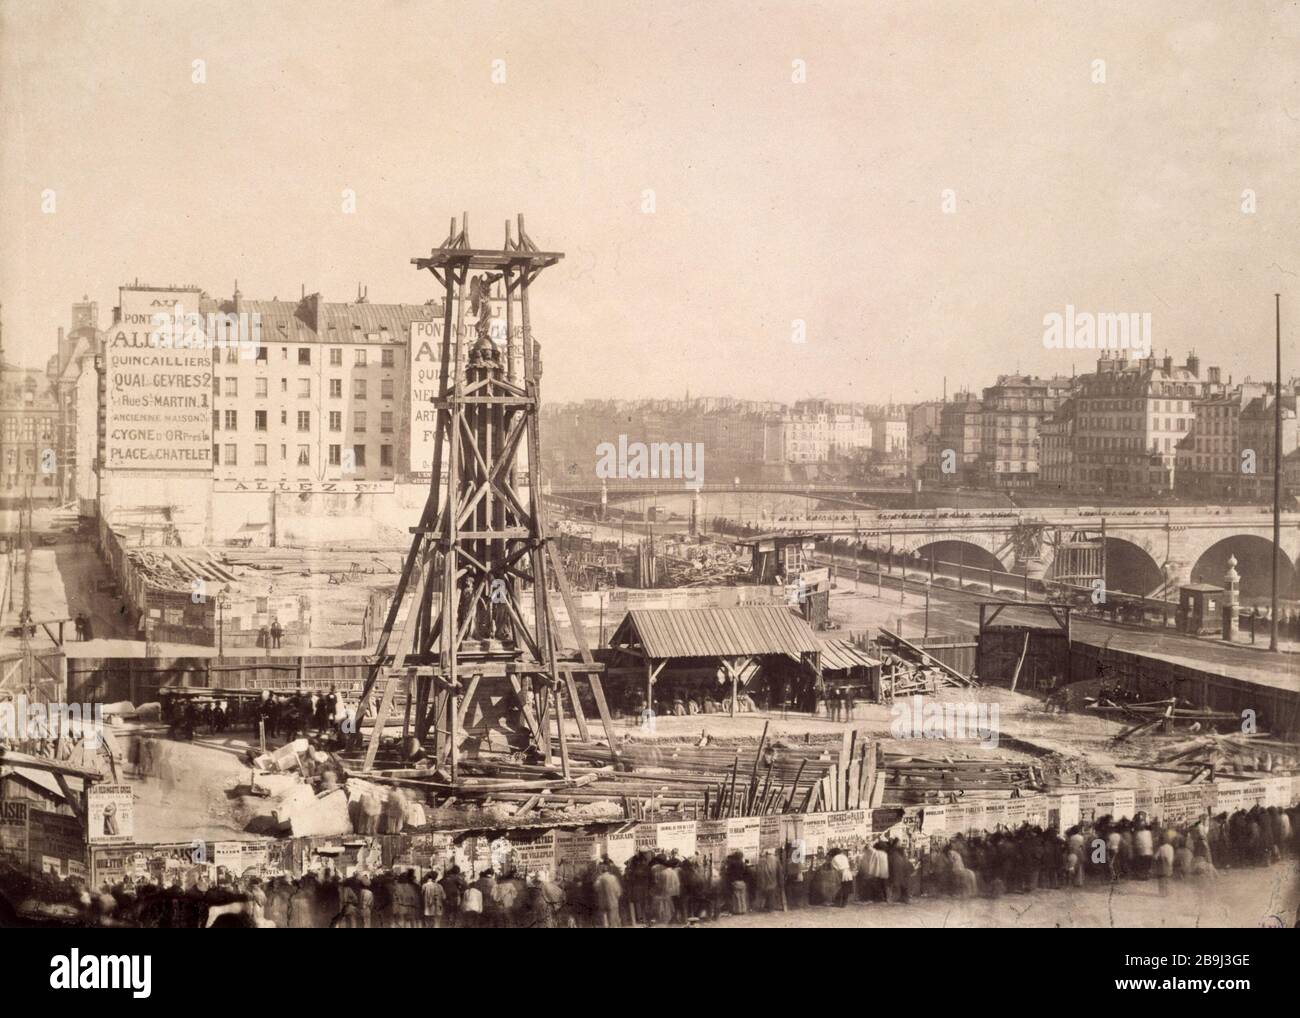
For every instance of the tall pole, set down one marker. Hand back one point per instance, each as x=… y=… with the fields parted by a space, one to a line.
x=1277 y=467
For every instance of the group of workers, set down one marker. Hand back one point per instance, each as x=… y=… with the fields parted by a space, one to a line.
x=288 y=715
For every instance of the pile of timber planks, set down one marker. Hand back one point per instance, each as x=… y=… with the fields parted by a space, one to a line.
x=919 y=658
x=667 y=781
x=746 y=780
x=1210 y=756
x=912 y=780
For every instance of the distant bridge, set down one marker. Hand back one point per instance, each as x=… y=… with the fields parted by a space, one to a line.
x=1149 y=551
x=622 y=489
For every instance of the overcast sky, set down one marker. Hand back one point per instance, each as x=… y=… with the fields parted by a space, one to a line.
x=775 y=200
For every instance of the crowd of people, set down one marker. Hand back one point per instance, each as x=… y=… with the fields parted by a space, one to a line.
x=288 y=715
x=664 y=888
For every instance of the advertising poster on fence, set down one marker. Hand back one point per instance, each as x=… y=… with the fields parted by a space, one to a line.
x=426 y=852
x=934 y=820
x=1067 y=813
x=620 y=846
x=742 y=837
x=13 y=831
x=849 y=830
x=57 y=837
x=530 y=858
x=677 y=837
x=771 y=834
x=1117 y=803
x=575 y=851
x=645 y=838
x=175 y=864
x=1184 y=803
x=1277 y=792
x=1240 y=795
x=110 y=813
x=711 y=840
x=226 y=855
x=811 y=833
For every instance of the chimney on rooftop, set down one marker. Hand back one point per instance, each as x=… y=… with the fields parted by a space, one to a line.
x=313 y=312
x=1194 y=366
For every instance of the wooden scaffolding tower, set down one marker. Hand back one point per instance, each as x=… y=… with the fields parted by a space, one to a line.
x=482 y=537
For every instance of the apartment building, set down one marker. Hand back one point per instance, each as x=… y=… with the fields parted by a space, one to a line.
x=322 y=398
x=1056 y=448
x=1012 y=411
x=1130 y=417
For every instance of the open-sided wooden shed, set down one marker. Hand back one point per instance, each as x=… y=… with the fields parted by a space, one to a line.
x=734 y=640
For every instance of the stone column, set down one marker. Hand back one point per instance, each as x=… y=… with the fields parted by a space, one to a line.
x=1231 y=583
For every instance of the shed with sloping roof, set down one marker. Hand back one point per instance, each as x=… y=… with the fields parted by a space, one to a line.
x=847 y=668
x=736 y=643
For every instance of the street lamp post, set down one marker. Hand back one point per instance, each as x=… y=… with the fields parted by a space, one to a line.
x=928 y=584
x=221 y=629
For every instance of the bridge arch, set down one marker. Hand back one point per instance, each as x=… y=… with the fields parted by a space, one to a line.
x=951 y=556
x=1253 y=554
x=1130 y=568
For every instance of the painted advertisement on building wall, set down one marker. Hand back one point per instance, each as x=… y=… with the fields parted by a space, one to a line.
x=158 y=403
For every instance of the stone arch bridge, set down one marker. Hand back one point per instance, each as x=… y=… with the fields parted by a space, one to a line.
x=1148 y=551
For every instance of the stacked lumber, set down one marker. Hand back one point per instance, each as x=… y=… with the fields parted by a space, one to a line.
x=744 y=780
x=1210 y=756
x=918 y=658
x=175 y=570
x=913 y=780
x=1160 y=710
x=664 y=781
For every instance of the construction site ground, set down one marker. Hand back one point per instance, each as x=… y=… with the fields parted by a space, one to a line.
x=192 y=790
x=1074 y=748
x=68 y=575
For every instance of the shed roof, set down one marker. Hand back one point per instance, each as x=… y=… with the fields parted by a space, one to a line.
x=841 y=655
x=716 y=632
